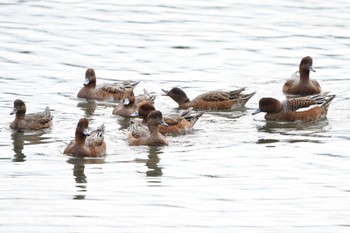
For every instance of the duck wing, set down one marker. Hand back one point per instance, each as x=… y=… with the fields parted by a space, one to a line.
x=96 y=137
x=294 y=104
x=138 y=130
x=221 y=95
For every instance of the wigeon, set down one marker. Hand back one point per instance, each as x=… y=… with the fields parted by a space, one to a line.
x=87 y=144
x=300 y=83
x=177 y=123
x=291 y=109
x=128 y=104
x=140 y=135
x=107 y=92
x=32 y=121
x=214 y=100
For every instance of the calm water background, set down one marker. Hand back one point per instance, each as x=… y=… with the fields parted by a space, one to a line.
x=233 y=173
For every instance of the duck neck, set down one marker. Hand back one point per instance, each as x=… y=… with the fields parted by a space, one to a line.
x=20 y=115
x=91 y=84
x=304 y=75
x=144 y=120
x=279 y=107
x=79 y=137
x=144 y=115
x=183 y=100
x=154 y=129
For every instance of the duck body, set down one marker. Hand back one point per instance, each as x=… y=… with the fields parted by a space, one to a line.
x=300 y=83
x=311 y=108
x=176 y=123
x=210 y=101
x=104 y=92
x=87 y=144
x=139 y=135
x=32 y=121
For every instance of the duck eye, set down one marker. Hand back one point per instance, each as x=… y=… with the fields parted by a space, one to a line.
x=264 y=103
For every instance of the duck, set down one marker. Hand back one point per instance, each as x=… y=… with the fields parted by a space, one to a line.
x=292 y=109
x=87 y=144
x=103 y=92
x=176 y=123
x=128 y=104
x=139 y=135
x=210 y=101
x=32 y=121
x=300 y=83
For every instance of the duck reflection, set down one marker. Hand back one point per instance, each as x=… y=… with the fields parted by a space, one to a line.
x=79 y=174
x=124 y=122
x=88 y=106
x=305 y=131
x=18 y=145
x=230 y=114
x=153 y=161
x=20 y=138
x=271 y=126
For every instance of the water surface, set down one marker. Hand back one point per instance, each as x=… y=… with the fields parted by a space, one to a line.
x=233 y=173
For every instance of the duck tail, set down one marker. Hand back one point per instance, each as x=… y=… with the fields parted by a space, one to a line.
x=100 y=131
x=187 y=113
x=328 y=99
x=236 y=93
x=96 y=137
x=192 y=118
x=195 y=117
x=150 y=95
x=248 y=96
x=130 y=83
x=47 y=111
x=319 y=98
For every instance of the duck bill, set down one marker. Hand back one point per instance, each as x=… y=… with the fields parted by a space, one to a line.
x=256 y=112
x=311 y=68
x=165 y=92
x=126 y=101
x=14 y=111
x=163 y=123
x=86 y=81
x=135 y=114
x=86 y=132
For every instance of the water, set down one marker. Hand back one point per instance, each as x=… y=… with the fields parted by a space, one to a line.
x=234 y=173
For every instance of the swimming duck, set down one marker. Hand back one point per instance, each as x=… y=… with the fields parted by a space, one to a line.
x=107 y=92
x=87 y=144
x=291 y=109
x=214 y=100
x=128 y=104
x=300 y=83
x=32 y=121
x=140 y=135
x=176 y=123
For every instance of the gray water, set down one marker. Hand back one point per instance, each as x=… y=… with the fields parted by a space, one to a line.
x=233 y=173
